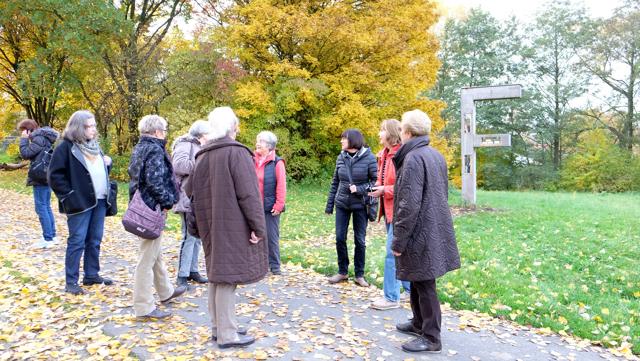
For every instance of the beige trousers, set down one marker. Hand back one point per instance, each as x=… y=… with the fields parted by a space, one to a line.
x=222 y=309
x=150 y=270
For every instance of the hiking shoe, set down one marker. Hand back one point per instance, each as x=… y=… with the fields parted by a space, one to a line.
x=360 y=281
x=197 y=278
x=74 y=289
x=421 y=344
x=383 y=303
x=338 y=278
x=157 y=314
x=240 y=331
x=276 y=272
x=178 y=291
x=97 y=281
x=409 y=328
x=243 y=340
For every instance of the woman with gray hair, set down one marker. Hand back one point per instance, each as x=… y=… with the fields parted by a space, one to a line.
x=272 y=182
x=151 y=174
x=79 y=176
x=184 y=153
x=226 y=202
x=424 y=241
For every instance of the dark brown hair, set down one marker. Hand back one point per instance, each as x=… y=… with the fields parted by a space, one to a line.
x=354 y=137
x=28 y=124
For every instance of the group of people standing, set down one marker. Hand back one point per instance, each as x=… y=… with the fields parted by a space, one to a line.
x=410 y=179
x=234 y=196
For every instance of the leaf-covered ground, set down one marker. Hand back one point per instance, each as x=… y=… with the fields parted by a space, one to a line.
x=295 y=317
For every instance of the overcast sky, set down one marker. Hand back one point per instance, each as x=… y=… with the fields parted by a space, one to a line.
x=523 y=10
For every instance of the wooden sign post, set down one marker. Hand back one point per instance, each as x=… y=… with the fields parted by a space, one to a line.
x=469 y=140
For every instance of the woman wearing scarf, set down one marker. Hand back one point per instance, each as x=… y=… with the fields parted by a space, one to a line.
x=79 y=176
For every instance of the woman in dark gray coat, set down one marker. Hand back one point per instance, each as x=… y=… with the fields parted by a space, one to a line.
x=424 y=241
x=356 y=172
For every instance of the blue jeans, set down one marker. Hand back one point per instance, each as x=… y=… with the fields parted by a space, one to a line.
x=85 y=236
x=42 y=200
x=359 y=232
x=273 y=238
x=390 y=284
x=189 y=250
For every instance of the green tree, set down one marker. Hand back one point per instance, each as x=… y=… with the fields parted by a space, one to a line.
x=316 y=67
x=613 y=56
x=40 y=40
x=558 y=79
x=133 y=61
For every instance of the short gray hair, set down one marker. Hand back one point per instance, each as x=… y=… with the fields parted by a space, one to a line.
x=269 y=138
x=74 y=131
x=199 y=128
x=223 y=121
x=150 y=123
x=416 y=122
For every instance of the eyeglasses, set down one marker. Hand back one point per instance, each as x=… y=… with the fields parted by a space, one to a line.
x=89 y=126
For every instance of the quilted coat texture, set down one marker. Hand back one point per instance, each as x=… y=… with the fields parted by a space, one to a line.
x=364 y=172
x=228 y=207
x=156 y=182
x=422 y=225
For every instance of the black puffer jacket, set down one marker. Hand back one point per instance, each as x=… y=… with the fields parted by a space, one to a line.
x=39 y=141
x=150 y=170
x=422 y=226
x=364 y=173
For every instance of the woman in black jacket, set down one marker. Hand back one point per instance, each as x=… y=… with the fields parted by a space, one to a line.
x=34 y=142
x=151 y=174
x=356 y=171
x=79 y=176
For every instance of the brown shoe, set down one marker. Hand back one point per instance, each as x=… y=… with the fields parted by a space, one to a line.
x=338 y=278
x=360 y=281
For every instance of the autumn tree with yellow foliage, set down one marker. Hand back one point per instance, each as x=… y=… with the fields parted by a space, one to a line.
x=315 y=68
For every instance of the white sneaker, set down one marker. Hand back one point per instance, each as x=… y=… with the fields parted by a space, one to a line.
x=384 y=304
x=54 y=242
x=41 y=244
x=404 y=296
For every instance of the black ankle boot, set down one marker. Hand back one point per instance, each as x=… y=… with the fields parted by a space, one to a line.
x=197 y=278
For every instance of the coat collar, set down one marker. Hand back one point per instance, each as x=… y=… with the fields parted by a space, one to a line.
x=407 y=147
x=221 y=143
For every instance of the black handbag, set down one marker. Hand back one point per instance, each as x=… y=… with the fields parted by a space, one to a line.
x=112 y=207
x=370 y=203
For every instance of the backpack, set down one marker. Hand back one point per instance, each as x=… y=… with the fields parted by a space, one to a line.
x=40 y=166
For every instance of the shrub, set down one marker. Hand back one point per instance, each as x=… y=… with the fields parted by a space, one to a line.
x=600 y=166
x=119 y=167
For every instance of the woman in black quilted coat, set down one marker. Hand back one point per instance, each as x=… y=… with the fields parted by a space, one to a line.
x=424 y=241
x=356 y=172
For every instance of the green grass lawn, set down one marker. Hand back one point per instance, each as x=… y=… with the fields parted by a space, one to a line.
x=560 y=260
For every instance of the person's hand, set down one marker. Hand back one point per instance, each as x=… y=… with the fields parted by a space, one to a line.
x=107 y=160
x=378 y=191
x=254 y=239
x=275 y=212
x=353 y=188
x=24 y=134
x=397 y=254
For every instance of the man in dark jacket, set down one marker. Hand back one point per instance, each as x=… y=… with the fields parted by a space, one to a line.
x=230 y=217
x=34 y=142
x=424 y=241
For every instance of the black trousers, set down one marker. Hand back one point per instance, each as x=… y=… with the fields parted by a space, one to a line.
x=426 y=309
x=359 y=233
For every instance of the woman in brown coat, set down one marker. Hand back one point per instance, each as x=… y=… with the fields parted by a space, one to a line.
x=424 y=241
x=230 y=218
